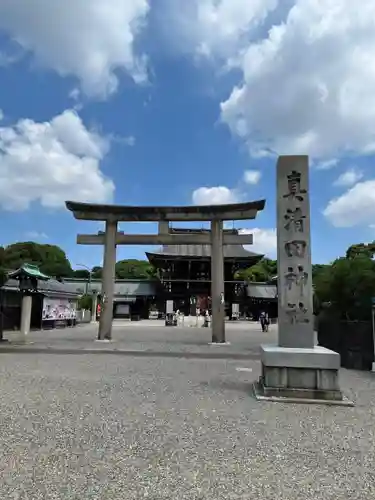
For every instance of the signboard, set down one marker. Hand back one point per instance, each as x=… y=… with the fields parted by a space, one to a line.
x=58 y=309
x=169 y=307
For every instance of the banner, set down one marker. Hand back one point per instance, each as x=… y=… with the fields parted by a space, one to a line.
x=58 y=309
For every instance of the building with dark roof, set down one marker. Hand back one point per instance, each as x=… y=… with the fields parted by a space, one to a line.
x=48 y=288
x=132 y=297
x=185 y=272
x=261 y=296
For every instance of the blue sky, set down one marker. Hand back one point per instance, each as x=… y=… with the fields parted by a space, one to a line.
x=179 y=103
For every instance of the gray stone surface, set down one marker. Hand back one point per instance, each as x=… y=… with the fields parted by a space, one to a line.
x=316 y=357
x=300 y=373
x=296 y=328
x=152 y=337
x=306 y=383
x=109 y=427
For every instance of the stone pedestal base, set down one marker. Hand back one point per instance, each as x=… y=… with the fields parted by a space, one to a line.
x=19 y=339
x=309 y=375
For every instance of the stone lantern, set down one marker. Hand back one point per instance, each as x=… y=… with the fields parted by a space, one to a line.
x=28 y=277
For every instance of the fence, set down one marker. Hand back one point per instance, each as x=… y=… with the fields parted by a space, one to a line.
x=353 y=340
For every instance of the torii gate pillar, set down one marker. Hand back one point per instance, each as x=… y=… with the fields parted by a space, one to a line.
x=217 y=282
x=108 y=281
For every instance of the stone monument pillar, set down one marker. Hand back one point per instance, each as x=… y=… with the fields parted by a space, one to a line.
x=217 y=282
x=296 y=326
x=296 y=368
x=108 y=281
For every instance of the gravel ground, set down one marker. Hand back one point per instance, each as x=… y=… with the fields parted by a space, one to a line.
x=112 y=427
x=244 y=339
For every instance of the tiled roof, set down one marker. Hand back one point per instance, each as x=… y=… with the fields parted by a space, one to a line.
x=261 y=291
x=45 y=286
x=230 y=251
x=122 y=287
x=31 y=270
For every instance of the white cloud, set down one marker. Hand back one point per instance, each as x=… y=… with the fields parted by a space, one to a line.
x=219 y=195
x=252 y=176
x=35 y=235
x=355 y=207
x=264 y=241
x=126 y=141
x=348 y=178
x=214 y=28
x=307 y=87
x=88 y=39
x=50 y=162
x=129 y=141
x=327 y=164
x=75 y=94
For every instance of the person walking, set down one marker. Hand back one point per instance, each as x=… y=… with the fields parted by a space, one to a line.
x=264 y=321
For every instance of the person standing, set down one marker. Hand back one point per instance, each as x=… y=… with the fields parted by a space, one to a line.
x=264 y=321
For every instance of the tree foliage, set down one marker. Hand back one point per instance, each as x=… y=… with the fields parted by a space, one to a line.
x=134 y=269
x=50 y=259
x=361 y=249
x=260 y=272
x=85 y=302
x=81 y=274
x=347 y=285
x=96 y=272
x=53 y=261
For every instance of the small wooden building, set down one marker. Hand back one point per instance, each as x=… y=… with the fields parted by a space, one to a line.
x=49 y=291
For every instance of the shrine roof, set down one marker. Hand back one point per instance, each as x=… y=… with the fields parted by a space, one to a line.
x=262 y=291
x=29 y=270
x=237 y=252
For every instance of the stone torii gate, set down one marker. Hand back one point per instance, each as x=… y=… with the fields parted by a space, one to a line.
x=215 y=214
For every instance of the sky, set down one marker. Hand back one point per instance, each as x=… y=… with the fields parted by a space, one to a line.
x=175 y=102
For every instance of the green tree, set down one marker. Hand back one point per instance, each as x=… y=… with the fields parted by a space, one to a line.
x=361 y=249
x=317 y=269
x=85 y=302
x=50 y=259
x=96 y=272
x=81 y=274
x=134 y=269
x=348 y=285
x=260 y=272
